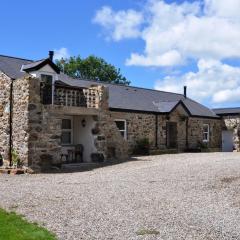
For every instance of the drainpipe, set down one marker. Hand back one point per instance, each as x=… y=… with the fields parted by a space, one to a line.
x=10 y=122
x=156 y=129
x=50 y=56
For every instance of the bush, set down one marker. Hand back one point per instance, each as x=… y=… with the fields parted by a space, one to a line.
x=142 y=147
x=203 y=146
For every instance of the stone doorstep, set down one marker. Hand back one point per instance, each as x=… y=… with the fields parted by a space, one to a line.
x=16 y=171
x=163 y=151
x=80 y=166
x=5 y=171
x=84 y=164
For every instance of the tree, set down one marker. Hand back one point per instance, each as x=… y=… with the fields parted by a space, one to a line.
x=93 y=68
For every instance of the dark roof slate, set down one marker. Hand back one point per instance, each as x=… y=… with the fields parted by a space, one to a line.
x=227 y=111
x=11 y=66
x=141 y=99
x=34 y=66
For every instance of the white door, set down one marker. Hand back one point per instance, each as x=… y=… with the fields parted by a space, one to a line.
x=227 y=141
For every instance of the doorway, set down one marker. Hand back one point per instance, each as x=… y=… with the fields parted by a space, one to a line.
x=227 y=141
x=171 y=135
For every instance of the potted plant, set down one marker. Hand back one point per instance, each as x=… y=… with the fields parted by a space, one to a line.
x=15 y=159
x=1 y=160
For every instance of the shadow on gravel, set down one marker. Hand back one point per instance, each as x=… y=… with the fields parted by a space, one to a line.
x=84 y=167
x=230 y=179
x=225 y=182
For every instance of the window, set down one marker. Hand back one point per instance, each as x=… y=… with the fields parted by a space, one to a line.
x=47 y=79
x=122 y=126
x=205 y=133
x=67 y=133
x=46 y=89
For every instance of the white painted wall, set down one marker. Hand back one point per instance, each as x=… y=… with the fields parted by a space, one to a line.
x=47 y=69
x=83 y=135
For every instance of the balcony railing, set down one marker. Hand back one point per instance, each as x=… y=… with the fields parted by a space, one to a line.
x=70 y=96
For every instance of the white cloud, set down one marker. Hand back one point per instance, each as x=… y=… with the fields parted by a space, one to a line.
x=184 y=29
x=166 y=59
x=201 y=29
x=120 y=24
x=214 y=81
x=61 y=53
x=228 y=95
x=223 y=8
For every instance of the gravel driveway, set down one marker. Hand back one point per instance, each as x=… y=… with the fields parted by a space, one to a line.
x=184 y=196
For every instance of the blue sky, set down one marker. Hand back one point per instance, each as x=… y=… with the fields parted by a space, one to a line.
x=157 y=44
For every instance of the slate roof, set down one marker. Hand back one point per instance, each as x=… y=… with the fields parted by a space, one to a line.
x=140 y=99
x=32 y=64
x=120 y=97
x=11 y=66
x=227 y=111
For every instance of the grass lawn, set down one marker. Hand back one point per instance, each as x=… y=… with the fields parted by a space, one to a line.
x=14 y=227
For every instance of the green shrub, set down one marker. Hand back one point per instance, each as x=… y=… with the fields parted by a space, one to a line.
x=202 y=146
x=142 y=146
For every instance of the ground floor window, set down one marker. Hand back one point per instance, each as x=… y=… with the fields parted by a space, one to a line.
x=122 y=126
x=205 y=132
x=67 y=131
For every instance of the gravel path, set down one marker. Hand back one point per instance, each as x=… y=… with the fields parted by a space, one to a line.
x=184 y=196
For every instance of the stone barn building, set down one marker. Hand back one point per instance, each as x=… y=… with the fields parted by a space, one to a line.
x=49 y=118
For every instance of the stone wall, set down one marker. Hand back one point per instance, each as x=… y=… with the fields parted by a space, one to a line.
x=139 y=126
x=36 y=130
x=143 y=125
x=44 y=131
x=108 y=140
x=233 y=123
x=4 y=115
x=20 y=118
x=196 y=132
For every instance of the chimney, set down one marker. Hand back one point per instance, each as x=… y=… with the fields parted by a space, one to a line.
x=185 y=91
x=51 y=54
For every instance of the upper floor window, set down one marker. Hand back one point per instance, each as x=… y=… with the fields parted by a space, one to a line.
x=205 y=132
x=47 y=79
x=122 y=126
x=46 y=88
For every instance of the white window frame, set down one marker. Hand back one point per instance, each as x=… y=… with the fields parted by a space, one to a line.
x=68 y=130
x=204 y=132
x=125 y=127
